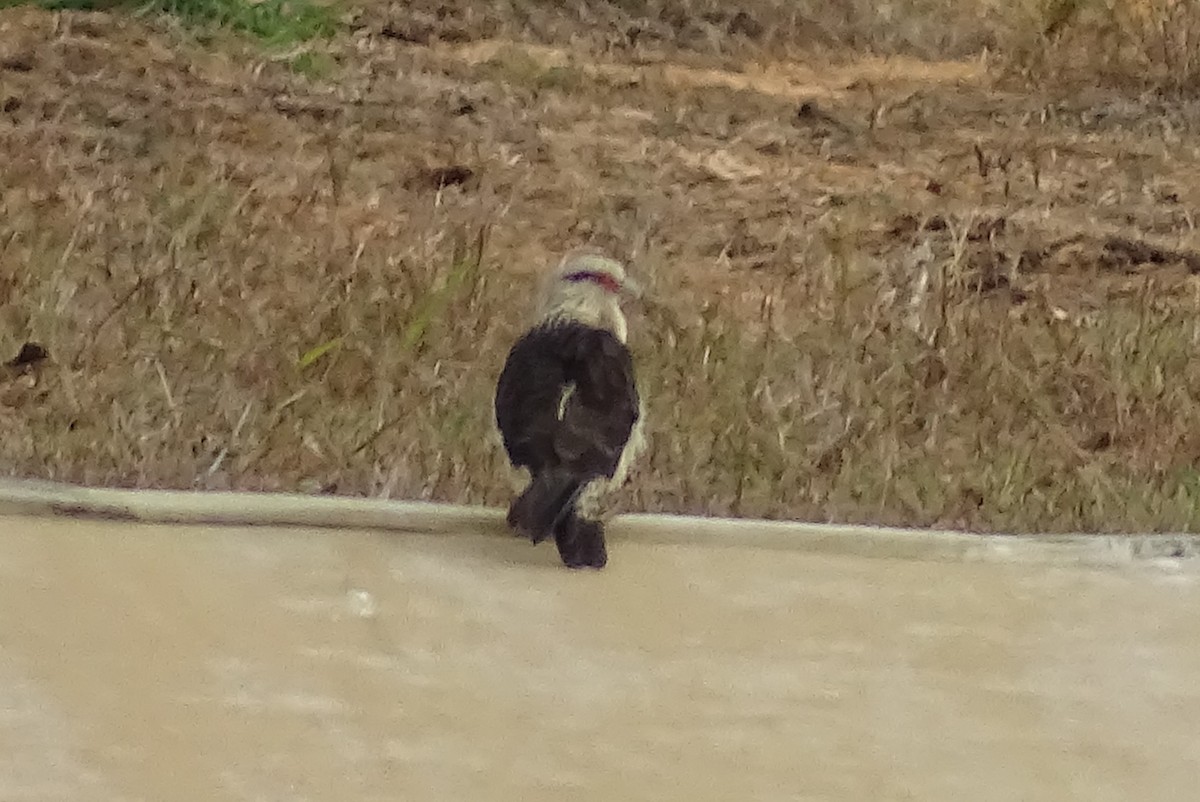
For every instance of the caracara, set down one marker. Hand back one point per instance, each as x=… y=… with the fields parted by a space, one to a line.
x=568 y=409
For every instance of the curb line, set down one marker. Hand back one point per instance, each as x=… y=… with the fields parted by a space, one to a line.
x=20 y=497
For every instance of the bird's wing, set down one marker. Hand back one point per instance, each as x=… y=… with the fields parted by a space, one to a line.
x=527 y=396
x=602 y=406
x=567 y=398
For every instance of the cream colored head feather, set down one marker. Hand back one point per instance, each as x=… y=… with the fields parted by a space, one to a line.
x=588 y=287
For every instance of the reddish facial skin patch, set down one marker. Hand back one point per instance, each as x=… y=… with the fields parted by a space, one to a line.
x=602 y=279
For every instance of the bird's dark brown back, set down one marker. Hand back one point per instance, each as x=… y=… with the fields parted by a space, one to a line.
x=598 y=415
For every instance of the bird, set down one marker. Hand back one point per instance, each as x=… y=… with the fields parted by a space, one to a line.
x=567 y=406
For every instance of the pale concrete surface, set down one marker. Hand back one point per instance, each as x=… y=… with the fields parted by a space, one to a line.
x=160 y=662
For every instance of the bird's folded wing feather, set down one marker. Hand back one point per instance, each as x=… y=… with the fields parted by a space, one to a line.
x=600 y=412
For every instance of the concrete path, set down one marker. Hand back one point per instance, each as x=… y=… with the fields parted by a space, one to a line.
x=171 y=662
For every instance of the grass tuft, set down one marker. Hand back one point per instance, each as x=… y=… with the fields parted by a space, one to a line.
x=274 y=22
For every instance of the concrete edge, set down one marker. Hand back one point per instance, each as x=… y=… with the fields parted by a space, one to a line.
x=20 y=497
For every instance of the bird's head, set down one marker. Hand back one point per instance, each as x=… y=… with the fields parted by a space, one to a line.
x=589 y=287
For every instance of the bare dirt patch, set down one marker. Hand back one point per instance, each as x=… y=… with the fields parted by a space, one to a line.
x=884 y=289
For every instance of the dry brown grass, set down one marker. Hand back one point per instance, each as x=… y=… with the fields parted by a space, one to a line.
x=1135 y=44
x=933 y=297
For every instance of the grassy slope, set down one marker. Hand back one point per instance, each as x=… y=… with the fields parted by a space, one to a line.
x=935 y=298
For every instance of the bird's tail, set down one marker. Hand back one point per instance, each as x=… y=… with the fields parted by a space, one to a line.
x=548 y=499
